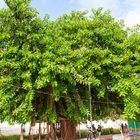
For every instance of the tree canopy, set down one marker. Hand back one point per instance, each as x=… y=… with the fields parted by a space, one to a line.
x=46 y=66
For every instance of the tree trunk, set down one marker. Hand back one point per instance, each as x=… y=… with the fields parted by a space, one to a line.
x=39 y=130
x=52 y=132
x=30 y=132
x=68 y=130
x=21 y=133
x=48 y=130
x=51 y=135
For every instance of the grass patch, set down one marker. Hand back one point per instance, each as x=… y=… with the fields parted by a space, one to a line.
x=10 y=137
x=17 y=137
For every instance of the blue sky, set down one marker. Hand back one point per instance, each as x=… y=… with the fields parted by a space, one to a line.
x=129 y=10
x=54 y=8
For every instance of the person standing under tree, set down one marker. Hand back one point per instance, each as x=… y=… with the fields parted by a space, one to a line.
x=94 y=131
x=122 y=128
x=122 y=131
x=126 y=130
x=99 y=128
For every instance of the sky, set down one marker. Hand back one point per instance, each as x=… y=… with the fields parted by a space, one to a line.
x=129 y=10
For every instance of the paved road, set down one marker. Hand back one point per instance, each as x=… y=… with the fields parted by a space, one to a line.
x=118 y=137
x=108 y=137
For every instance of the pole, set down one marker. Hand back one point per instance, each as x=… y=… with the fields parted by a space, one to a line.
x=135 y=128
x=90 y=105
x=135 y=125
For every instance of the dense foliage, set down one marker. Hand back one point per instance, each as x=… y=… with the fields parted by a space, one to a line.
x=46 y=66
x=21 y=32
x=128 y=84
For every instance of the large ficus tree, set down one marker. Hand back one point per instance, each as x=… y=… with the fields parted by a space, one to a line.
x=46 y=66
